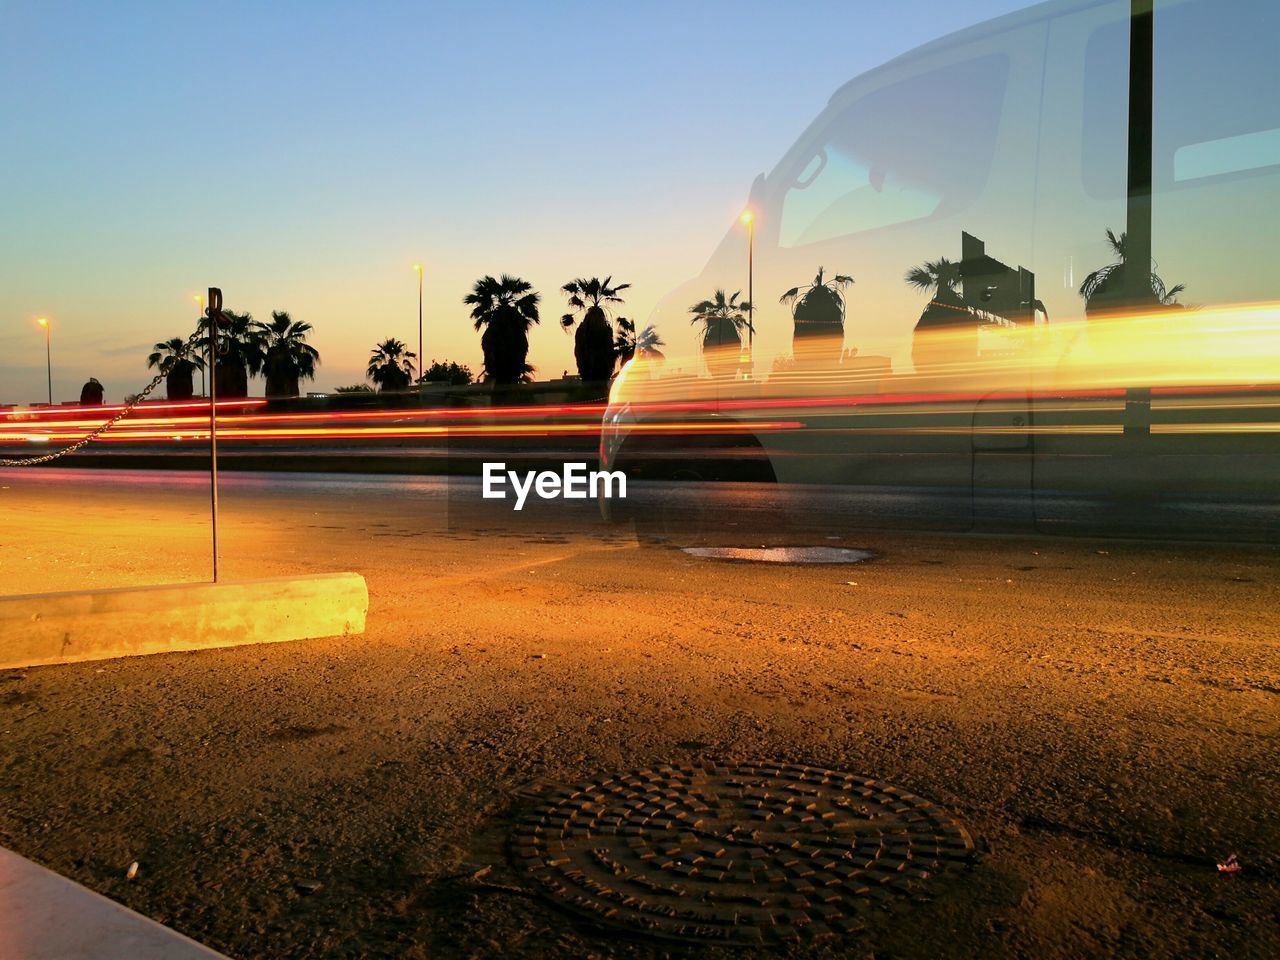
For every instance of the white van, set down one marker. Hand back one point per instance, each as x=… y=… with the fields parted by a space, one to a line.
x=1003 y=149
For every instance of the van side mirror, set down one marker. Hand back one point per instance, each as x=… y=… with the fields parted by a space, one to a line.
x=757 y=191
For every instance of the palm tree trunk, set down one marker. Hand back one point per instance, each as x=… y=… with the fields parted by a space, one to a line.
x=178 y=382
x=232 y=381
x=282 y=385
x=593 y=347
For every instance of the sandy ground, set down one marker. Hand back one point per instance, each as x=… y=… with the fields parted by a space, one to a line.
x=1102 y=716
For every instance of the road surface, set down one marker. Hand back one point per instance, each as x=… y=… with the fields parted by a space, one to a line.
x=1101 y=715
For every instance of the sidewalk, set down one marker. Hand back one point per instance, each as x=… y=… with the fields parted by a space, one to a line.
x=44 y=916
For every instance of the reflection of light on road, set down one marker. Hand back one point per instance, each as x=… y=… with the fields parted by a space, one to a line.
x=1215 y=428
x=1192 y=371
x=1218 y=346
x=231 y=430
x=99 y=413
x=1202 y=371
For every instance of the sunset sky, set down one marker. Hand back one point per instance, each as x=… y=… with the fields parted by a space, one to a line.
x=303 y=156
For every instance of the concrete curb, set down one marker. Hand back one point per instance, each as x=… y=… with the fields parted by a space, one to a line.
x=44 y=916
x=44 y=628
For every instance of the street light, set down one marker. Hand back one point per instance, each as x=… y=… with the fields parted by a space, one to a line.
x=749 y=219
x=417 y=268
x=199 y=299
x=48 y=353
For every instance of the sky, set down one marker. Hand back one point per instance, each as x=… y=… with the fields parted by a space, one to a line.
x=303 y=156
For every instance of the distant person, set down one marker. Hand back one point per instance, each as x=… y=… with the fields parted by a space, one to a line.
x=91 y=393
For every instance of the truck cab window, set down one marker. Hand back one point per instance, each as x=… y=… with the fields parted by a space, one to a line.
x=867 y=169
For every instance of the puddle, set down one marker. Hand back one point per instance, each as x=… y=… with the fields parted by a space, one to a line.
x=783 y=554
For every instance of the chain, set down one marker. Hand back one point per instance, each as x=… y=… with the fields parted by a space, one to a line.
x=99 y=431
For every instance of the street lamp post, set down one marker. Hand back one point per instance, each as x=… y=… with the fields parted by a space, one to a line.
x=215 y=316
x=750 y=221
x=48 y=354
x=417 y=267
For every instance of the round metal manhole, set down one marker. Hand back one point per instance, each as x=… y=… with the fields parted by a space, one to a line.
x=783 y=554
x=752 y=854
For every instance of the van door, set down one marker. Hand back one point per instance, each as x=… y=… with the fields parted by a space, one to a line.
x=1135 y=439
x=1002 y=462
x=902 y=165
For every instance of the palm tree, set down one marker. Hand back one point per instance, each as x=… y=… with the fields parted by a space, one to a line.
x=1108 y=287
x=627 y=342
x=593 y=343
x=91 y=393
x=822 y=301
x=723 y=321
x=946 y=310
x=624 y=340
x=288 y=357
x=648 y=342
x=241 y=353
x=942 y=276
x=354 y=388
x=391 y=365
x=178 y=369
x=818 y=312
x=505 y=309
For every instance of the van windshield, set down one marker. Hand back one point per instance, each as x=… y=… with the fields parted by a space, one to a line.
x=915 y=149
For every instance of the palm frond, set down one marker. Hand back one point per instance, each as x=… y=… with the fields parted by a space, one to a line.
x=919 y=278
x=1118 y=244
x=1097 y=280
x=649 y=338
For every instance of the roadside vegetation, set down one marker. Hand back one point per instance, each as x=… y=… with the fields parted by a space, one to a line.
x=448 y=372
x=278 y=350
x=504 y=309
x=391 y=365
x=179 y=371
x=722 y=319
x=1108 y=287
x=593 y=342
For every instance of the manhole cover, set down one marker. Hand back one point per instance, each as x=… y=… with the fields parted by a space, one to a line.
x=752 y=854
x=783 y=554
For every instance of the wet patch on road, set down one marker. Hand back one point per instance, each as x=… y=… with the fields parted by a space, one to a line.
x=829 y=555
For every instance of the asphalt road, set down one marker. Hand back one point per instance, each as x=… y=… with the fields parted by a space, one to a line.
x=1101 y=715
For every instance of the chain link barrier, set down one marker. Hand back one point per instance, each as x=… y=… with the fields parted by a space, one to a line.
x=99 y=431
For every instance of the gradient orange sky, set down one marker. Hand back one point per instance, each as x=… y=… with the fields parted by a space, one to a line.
x=303 y=156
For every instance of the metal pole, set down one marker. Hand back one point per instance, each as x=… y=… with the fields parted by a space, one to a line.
x=213 y=312
x=48 y=357
x=751 y=299
x=1138 y=213
x=419 y=323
